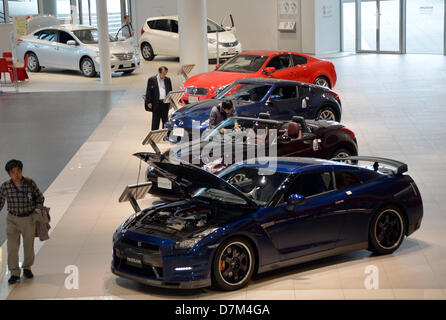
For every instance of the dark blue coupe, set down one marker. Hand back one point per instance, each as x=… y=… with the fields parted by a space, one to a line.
x=251 y=219
x=281 y=99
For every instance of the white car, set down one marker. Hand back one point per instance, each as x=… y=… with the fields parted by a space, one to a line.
x=73 y=47
x=159 y=36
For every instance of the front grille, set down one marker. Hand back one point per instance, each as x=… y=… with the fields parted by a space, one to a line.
x=146 y=269
x=141 y=245
x=124 y=56
x=197 y=91
x=229 y=44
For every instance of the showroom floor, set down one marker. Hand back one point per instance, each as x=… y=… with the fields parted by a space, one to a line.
x=395 y=105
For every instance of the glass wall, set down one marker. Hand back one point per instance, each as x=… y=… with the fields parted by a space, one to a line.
x=114 y=14
x=349 y=25
x=2 y=12
x=425 y=28
x=18 y=8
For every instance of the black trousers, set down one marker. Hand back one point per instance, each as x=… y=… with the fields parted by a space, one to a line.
x=160 y=111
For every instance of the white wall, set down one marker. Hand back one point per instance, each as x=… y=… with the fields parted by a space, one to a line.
x=328 y=26
x=255 y=21
x=307 y=24
x=5 y=42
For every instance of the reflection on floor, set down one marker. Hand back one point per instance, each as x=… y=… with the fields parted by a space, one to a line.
x=45 y=130
x=394 y=104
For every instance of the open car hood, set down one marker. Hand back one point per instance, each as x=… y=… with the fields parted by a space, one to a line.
x=189 y=177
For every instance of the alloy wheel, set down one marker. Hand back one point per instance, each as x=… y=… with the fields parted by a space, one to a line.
x=322 y=82
x=235 y=263
x=389 y=229
x=327 y=114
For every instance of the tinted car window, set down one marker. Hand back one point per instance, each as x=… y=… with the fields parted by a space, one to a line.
x=243 y=63
x=162 y=25
x=280 y=62
x=174 y=25
x=311 y=184
x=298 y=60
x=345 y=179
x=245 y=92
x=284 y=92
x=303 y=91
x=64 y=37
x=48 y=35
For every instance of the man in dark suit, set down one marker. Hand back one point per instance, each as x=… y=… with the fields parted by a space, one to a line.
x=158 y=87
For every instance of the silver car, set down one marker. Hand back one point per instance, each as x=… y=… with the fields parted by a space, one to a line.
x=74 y=47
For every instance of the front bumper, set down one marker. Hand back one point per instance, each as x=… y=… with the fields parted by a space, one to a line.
x=224 y=52
x=202 y=283
x=117 y=65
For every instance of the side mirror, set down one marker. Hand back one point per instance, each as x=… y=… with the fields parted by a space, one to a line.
x=295 y=200
x=269 y=70
x=72 y=43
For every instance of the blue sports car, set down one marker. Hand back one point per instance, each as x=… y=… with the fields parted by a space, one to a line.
x=281 y=99
x=251 y=219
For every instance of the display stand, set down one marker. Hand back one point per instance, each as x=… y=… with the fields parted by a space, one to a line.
x=154 y=137
x=135 y=192
x=185 y=70
x=173 y=97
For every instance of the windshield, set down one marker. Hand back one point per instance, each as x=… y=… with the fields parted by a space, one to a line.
x=252 y=182
x=90 y=36
x=246 y=63
x=213 y=27
x=250 y=92
x=246 y=131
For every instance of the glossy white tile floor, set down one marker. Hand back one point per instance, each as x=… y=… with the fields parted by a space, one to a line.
x=395 y=104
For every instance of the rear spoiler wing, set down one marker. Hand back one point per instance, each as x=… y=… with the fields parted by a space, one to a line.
x=135 y=192
x=399 y=166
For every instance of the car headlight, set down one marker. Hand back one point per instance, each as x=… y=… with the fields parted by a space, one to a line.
x=212 y=41
x=190 y=243
x=217 y=91
x=211 y=165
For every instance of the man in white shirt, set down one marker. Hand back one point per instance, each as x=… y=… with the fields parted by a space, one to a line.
x=158 y=87
x=127 y=29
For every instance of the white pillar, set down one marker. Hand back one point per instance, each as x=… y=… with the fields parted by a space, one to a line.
x=104 y=46
x=192 y=31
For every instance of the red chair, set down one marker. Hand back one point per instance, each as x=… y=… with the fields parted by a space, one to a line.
x=4 y=68
x=8 y=57
x=21 y=71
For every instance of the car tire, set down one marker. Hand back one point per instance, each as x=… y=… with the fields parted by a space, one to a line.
x=323 y=82
x=147 y=51
x=386 y=231
x=229 y=271
x=327 y=113
x=128 y=71
x=87 y=67
x=33 y=63
x=342 y=153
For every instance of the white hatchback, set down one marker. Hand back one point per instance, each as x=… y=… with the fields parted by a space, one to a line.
x=159 y=36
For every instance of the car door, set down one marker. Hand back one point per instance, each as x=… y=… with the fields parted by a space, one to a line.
x=45 y=47
x=300 y=70
x=284 y=102
x=164 y=41
x=309 y=227
x=357 y=205
x=66 y=57
x=283 y=65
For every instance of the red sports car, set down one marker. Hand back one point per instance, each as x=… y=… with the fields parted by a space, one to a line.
x=260 y=64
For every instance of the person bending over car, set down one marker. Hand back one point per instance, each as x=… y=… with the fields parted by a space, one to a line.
x=220 y=113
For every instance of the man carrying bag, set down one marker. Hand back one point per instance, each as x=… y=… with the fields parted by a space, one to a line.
x=23 y=197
